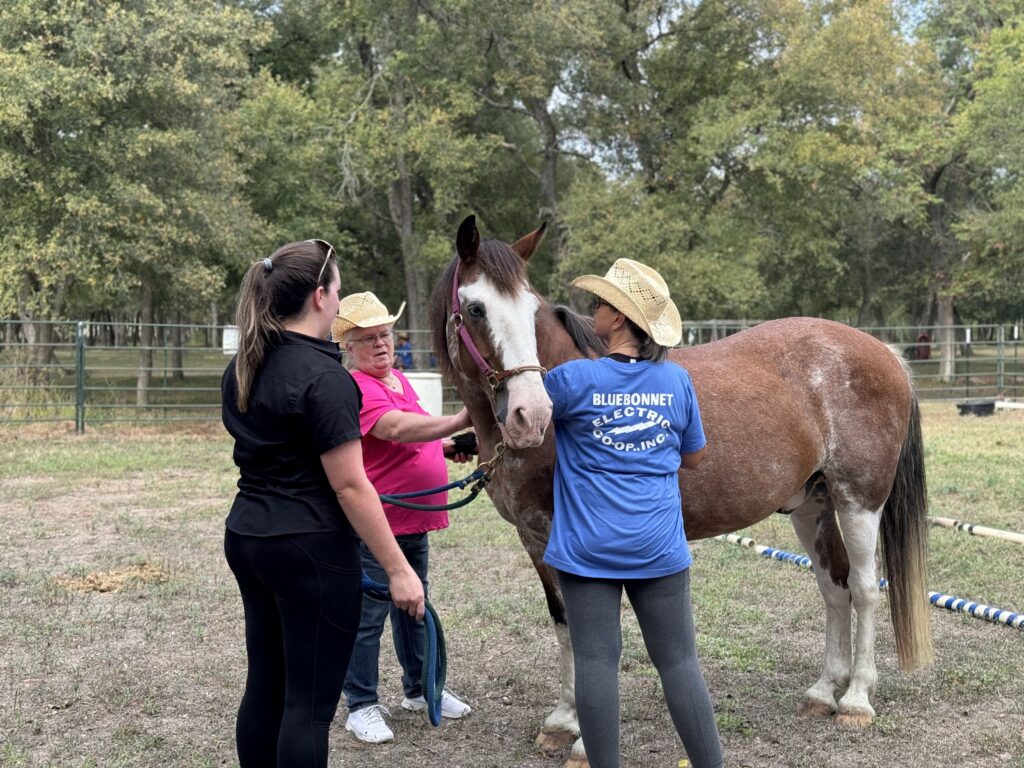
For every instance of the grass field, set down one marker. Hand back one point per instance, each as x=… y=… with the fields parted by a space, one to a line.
x=121 y=635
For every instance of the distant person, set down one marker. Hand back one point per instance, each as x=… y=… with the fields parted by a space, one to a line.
x=403 y=351
x=616 y=522
x=291 y=538
x=924 y=346
x=403 y=452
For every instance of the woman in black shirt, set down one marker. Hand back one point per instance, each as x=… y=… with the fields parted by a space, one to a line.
x=303 y=503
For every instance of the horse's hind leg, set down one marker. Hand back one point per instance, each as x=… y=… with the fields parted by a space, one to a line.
x=815 y=524
x=561 y=728
x=860 y=532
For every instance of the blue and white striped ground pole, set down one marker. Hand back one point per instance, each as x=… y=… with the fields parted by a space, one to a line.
x=949 y=602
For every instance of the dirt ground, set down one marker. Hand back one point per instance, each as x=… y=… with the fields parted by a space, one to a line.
x=121 y=638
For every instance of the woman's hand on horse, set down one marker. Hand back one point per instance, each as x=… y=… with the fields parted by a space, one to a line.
x=407 y=593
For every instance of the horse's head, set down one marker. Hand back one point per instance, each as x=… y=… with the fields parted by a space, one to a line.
x=487 y=334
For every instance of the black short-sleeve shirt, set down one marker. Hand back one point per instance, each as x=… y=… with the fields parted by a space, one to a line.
x=302 y=404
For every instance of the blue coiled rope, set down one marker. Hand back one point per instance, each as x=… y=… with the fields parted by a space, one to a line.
x=478 y=475
x=435 y=652
x=479 y=478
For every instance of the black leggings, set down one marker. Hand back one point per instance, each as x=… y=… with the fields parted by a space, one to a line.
x=662 y=606
x=302 y=604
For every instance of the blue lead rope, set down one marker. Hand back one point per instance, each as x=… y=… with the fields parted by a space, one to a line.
x=479 y=476
x=435 y=652
x=475 y=475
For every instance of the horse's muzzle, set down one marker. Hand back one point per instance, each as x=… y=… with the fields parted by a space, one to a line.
x=524 y=427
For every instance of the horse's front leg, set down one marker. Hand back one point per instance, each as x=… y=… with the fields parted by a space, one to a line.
x=815 y=524
x=561 y=727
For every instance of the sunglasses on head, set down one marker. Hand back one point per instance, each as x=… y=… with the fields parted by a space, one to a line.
x=327 y=257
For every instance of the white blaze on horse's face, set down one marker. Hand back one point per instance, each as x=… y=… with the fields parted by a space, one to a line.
x=511 y=320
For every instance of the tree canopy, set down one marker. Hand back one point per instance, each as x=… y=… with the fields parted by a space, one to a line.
x=856 y=159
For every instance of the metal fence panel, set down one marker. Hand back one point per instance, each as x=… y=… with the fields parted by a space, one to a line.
x=87 y=373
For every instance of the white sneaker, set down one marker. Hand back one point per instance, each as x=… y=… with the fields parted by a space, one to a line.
x=452 y=706
x=367 y=724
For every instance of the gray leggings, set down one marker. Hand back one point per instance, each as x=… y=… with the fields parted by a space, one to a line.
x=662 y=607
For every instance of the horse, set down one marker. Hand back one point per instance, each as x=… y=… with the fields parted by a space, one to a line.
x=803 y=416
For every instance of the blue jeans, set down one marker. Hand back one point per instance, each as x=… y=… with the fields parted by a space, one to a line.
x=407 y=633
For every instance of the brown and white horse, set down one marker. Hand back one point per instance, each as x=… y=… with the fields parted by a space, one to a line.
x=802 y=416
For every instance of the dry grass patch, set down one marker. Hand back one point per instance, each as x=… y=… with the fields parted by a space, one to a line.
x=115 y=580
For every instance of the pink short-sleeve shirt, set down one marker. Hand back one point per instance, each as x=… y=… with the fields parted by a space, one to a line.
x=401 y=467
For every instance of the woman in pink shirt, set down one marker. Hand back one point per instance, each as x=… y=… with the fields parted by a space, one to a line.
x=403 y=451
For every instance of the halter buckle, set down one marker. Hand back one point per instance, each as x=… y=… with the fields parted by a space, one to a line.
x=492 y=463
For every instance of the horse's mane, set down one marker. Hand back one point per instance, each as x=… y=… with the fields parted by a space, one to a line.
x=504 y=267
x=580 y=330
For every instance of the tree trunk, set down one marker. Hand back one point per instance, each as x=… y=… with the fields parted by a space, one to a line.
x=145 y=348
x=39 y=337
x=177 y=349
x=38 y=333
x=119 y=329
x=417 y=290
x=42 y=344
x=867 y=300
x=215 y=324
x=538 y=109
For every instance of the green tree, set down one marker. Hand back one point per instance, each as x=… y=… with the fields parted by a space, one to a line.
x=989 y=129
x=778 y=133
x=955 y=179
x=526 y=61
x=403 y=145
x=305 y=34
x=117 y=184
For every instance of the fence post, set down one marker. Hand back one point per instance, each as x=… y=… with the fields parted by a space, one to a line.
x=967 y=362
x=1000 y=359
x=80 y=378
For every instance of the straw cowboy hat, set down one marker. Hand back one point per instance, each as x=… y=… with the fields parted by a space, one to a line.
x=639 y=293
x=361 y=310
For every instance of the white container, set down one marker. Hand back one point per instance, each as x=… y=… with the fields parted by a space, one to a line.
x=229 y=340
x=428 y=387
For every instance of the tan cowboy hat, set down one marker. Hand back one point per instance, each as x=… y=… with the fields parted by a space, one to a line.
x=641 y=294
x=361 y=310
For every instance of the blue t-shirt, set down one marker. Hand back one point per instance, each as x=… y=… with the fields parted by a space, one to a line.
x=620 y=428
x=403 y=352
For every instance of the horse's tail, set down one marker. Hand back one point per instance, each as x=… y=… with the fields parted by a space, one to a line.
x=904 y=530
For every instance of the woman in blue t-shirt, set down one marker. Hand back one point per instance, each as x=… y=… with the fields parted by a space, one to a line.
x=303 y=499
x=624 y=424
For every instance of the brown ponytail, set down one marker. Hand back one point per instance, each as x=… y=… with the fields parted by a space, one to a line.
x=646 y=347
x=274 y=290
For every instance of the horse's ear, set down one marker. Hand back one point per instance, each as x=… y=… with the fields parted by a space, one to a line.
x=467 y=242
x=527 y=244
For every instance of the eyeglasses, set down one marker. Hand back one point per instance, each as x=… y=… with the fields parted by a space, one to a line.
x=327 y=258
x=599 y=302
x=368 y=341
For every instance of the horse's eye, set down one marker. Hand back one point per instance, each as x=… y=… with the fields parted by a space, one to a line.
x=476 y=310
